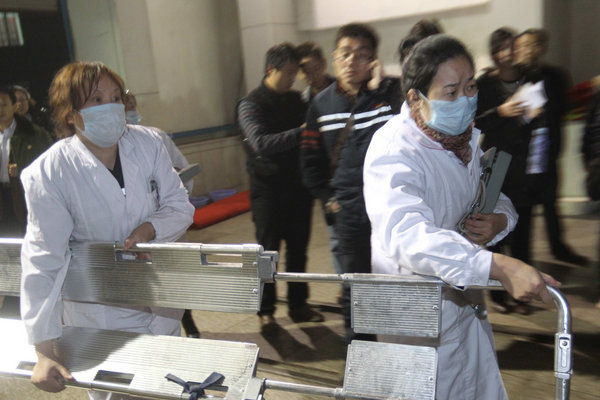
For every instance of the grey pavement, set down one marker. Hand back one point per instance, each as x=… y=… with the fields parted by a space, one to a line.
x=313 y=353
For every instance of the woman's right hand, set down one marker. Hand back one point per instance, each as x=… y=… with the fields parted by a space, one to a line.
x=521 y=280
x=511 y=108
x=49 y=374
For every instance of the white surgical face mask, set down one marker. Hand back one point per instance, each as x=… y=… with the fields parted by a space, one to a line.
x=451 y=117
x=104 y=124
x=133 y=117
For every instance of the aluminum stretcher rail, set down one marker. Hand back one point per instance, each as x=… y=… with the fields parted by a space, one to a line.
x=377 y=299
x=183 y=274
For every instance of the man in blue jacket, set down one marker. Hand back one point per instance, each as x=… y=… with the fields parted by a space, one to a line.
x=339 y=125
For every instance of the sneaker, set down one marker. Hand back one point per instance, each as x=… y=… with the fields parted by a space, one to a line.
x=305 y=313
x=193 y=335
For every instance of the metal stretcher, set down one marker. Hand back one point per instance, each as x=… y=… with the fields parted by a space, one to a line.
x=230 y=278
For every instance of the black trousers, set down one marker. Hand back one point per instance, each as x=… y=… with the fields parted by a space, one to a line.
x=354 y=254
x=520 y=239
x=283 y=214
x=10 y=226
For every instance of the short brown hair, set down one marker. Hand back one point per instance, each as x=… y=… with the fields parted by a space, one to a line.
x=72 y=86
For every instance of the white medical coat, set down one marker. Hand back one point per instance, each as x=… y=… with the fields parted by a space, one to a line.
x=415 y=194
x=71 y=195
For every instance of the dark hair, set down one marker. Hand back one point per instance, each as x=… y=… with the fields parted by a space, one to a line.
x=406 y=45
x=18 y=88
x=422 y=65
x=9 y=92
x=425 y=27
x=355 y=30
x=309 y=49
x=280 y=54
x=541 y=36
x=499 y=36
x=419 y=31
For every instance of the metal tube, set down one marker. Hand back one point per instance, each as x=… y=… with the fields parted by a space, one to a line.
x=336 y=393
x=355 y=278
x=564 y=312
x=563 y=358
x=304 y=277
x=563 y=388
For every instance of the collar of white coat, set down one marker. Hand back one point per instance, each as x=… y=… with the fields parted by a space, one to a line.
x=425 y=140
x=125 y=146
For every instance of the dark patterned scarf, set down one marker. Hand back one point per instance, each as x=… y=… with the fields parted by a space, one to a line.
x=459 y=145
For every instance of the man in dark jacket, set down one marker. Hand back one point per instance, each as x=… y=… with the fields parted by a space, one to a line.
x=544 y=145
x=270 y=118
x=339 y=125
x=21 y=143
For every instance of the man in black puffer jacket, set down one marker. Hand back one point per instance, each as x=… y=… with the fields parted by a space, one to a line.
x=270 y=118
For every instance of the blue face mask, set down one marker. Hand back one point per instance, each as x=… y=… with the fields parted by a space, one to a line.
x=104 y=124
x=451 y=117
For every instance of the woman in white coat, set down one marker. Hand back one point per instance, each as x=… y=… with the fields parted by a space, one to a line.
x=104 y=181
x=421 y=175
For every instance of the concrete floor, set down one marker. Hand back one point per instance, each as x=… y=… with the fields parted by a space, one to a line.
x=313 y=353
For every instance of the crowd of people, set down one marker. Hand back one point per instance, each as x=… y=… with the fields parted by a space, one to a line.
x=393 y=161
x=395 y=164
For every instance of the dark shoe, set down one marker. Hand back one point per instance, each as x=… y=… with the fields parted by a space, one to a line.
x=194 y=335
x=268 y=325
x=266 y=319
x=572 y=258
x=305 y=314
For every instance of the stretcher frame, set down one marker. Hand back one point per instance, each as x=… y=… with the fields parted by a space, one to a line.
x=381 y=304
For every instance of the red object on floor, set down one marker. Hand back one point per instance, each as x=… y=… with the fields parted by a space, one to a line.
x=221 y=210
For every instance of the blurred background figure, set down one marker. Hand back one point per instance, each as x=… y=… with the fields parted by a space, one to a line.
x=499 y=118
x=312 y=70
x=271 y=118
x=179 y=162
x=30 y=109
x=21 y=142
x=591 y=153
x=419 y=31
x=544 y=146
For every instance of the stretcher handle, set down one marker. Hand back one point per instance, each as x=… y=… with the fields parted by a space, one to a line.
x=564 y=312
x=563 y=343
x=224 y=249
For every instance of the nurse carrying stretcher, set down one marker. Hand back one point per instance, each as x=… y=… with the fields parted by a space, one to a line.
x=104 y=181
x=422 y=171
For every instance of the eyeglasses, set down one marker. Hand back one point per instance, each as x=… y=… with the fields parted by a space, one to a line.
x=361 y=56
